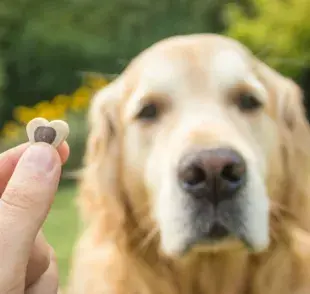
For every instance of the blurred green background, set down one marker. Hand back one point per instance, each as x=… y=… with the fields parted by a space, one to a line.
x=55 y=54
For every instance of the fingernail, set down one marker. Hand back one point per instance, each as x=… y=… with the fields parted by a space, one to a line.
x=40 y=156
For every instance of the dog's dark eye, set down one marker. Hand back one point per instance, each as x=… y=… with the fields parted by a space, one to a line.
x=149 y=112
x=248 y=102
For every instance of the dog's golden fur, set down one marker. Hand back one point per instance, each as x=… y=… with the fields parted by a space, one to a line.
x=118 y=251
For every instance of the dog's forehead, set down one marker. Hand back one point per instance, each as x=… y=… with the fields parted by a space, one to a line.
x=229 y=67
x=183 y=62
x=186 y=68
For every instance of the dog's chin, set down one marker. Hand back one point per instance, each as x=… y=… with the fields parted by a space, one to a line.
x=219 y=246
x=206 y=246
x=218 y=240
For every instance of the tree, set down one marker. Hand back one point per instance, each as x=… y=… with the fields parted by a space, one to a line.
x=278 y=32
x=45 y=44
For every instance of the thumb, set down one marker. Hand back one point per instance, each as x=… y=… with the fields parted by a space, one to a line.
x=27 y=199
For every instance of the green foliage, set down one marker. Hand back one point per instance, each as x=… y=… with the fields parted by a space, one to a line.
x=45 y=44
x=278 y=31
x=62 y=228
x=2 y=80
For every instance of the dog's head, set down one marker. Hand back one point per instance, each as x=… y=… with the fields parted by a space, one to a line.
x=196 y=139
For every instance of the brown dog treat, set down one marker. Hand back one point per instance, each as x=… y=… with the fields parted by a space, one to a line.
x=45 y=134
x=41 y=130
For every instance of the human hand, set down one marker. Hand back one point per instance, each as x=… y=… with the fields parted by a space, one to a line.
x=29 y=177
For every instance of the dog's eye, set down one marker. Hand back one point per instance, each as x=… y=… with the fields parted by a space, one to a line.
x=149 y=111
x=248 y=102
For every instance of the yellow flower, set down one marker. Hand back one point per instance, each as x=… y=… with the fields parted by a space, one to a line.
x=60 y=111
x=96 y=81
x=41 y=106
x=49 y=111
x=49 y=114
x=11 y=130
x=80 y=103
x=82 y=91
x=62 y=100
x=80 y=98
x=61 y=104
x=24 y=114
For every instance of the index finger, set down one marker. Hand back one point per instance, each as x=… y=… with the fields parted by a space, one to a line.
x=10 y=158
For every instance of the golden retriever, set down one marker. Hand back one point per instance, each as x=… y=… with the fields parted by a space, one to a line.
x=196 y=177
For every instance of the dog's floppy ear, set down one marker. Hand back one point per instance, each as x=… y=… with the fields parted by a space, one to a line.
x=100 y=179
x=291 y=111
x=290 y=114
x=287 y=97
x=296 y=144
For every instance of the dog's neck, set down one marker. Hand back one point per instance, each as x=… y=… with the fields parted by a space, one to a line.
x=221 y=273
x=226 y=272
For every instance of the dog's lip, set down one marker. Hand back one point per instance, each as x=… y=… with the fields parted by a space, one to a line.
x=216 y=234
x=217 y=231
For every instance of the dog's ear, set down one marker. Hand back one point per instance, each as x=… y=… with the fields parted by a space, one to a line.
x=296 y=145
x=289 y=112
x=287 y=98
x=103 y=121
x=295 y=132
x=100 y=184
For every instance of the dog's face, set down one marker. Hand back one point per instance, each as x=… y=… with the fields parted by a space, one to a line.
x=196 y=121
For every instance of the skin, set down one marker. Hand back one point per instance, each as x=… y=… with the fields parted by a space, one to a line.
x=29 y=177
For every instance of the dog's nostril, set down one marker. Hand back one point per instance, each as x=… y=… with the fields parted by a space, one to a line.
x=193 y=176
x=214 y=174
x=232 y=172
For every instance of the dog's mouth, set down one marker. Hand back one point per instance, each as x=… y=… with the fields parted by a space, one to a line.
x=226 y=224
x=218 y=238
x=217 y=235
x=218 y=232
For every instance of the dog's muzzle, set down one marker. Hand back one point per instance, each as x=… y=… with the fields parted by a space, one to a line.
x=211 y=176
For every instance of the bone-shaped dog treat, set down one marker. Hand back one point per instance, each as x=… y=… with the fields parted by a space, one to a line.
x=53 y=132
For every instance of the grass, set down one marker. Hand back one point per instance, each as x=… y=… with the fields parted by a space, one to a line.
x=61 y=228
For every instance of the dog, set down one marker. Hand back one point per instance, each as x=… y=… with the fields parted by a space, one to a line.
x=196 y=176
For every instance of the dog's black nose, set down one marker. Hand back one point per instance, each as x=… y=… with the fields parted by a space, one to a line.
x=215 y=174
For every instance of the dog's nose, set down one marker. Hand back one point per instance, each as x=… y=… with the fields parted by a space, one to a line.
x=215 y=174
